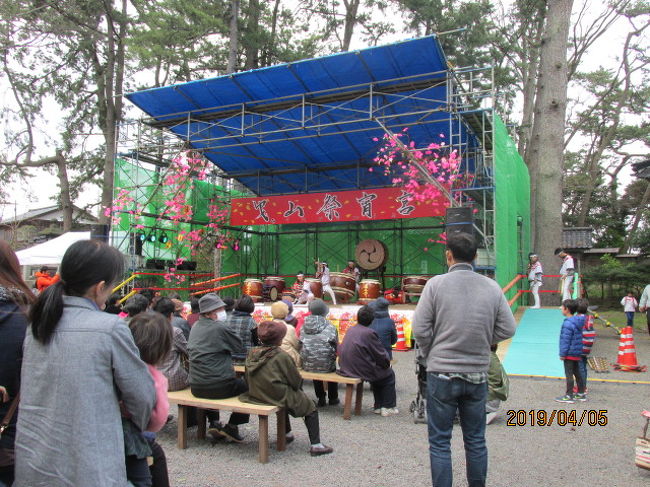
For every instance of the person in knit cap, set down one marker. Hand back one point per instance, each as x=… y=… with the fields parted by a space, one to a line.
x=273 y=378
x=290 y=319
x=383 y=325
x=290 y=343
x=319 y=341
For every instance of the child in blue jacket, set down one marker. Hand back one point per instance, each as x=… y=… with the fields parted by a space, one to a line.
x=571 y=352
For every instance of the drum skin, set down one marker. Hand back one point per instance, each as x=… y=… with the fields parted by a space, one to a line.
x=369 y=290
x=274 y=286
x=253 y=287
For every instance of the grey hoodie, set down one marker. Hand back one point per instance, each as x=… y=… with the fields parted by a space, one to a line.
x=459 y=315
x=319 y=341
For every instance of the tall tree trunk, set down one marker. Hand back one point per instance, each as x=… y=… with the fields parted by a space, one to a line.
x=643 y=206
x=269 y=49
x=547 y=148
x=351 y=9
x=64 y=185
x=530 y=72
x=233 y=43
x=253 y=35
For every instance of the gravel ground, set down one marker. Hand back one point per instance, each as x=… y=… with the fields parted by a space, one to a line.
x=371 y=451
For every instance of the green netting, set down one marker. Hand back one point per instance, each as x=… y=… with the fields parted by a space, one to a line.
x=512 y=208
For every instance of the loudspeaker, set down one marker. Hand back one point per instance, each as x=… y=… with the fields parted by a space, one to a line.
x=100 y=232
x=459 y=220
x=157 y=264
x=188 y=265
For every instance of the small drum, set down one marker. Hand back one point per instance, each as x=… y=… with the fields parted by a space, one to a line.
x=369 y=290
x=253 y=287
x=316 y=287
x=343 y=285
x=274 y=286
x=414 y=284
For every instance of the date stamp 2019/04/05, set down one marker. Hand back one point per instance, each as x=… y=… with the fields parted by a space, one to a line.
x=560 y=417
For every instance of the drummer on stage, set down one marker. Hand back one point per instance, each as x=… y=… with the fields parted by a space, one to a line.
x=301 y=290
x=324 y=275
x=354 y=270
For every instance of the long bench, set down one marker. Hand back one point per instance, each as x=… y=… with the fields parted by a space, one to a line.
x=185 y=399
x=350 y=383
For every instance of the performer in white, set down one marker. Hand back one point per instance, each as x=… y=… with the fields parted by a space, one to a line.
x=534 y=278
x=354 y=270
x=324 y=274
x=566 y=273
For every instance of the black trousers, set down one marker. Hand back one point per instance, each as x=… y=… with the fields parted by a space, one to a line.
x=571 y=370
x=230 y=388
x=140 y=474
x=332 y=390
x=647 y=316
x=312 y=424
x=384 y=391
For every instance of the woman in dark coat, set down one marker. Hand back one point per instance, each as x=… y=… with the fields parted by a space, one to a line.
x=15 y=296
x=273 y=378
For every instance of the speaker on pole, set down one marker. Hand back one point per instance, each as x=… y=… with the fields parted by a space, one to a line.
x=459 y=220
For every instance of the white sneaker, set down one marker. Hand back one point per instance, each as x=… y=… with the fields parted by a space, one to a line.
x=385 y=412
x=377 y=411
x=489 y=417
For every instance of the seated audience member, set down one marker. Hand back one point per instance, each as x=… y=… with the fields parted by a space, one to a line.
x=290 y=319
x=383 y=325
x=112 y=305
x=362 y=355
x=194 y=315
x=177 y=319
x=290 y=343
x=212 y=376
x=229 y=301
x=136 y=304
x=172 y=365
x=319 y=341
x=243 y=324
x=273 y=378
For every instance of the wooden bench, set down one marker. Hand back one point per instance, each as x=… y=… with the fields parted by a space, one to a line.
x=185 y=399
x=350 y=383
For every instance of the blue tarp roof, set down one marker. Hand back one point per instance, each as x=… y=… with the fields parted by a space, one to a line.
x=255 y=127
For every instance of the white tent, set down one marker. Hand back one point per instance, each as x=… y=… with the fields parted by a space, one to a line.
x=50 y=252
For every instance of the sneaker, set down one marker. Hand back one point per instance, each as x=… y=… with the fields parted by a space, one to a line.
x=289 y=438
x=334 y=402
x=489 y=417
x=580 y=397
x=215 y=430
x=566 y=399
x=231 y=432
x=315 y=451
x=385 y=412
x=377 y=410
x=321 y=402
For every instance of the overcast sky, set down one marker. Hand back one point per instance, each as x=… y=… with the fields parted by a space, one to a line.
x=40 y=189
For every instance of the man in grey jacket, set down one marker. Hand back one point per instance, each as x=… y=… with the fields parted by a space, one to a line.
x=459 y=316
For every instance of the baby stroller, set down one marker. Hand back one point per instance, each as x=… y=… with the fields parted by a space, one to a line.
x=419 y=405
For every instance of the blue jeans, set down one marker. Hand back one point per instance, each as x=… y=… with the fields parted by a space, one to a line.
x=583 y=368
x=444 y=397
x=630 y=318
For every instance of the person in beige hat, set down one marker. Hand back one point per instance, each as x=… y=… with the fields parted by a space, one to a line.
x=290 y=343
x=273 y=378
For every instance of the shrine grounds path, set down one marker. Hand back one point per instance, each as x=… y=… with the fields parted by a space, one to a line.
x=371 y=451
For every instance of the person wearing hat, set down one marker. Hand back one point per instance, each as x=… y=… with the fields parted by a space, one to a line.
x=290 y=343
x=290 y=319
x=362 y=355
x=319 y=341
x=273 y=378
x=534 y=278
x=567 y=271
x=212 y=376
x=301 y=289
x=383 y=325
x=324 y=275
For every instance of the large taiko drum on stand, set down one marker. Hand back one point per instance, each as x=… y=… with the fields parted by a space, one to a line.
x=414 y=284
x=273 y=287
x=343 y=285
x=316 y=287
x=369 y=290
x=253 y=287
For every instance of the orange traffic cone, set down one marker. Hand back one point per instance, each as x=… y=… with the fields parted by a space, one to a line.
x=627 y=353
x=401 y=339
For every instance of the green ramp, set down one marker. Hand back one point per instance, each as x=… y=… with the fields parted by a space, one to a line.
x=534 y=349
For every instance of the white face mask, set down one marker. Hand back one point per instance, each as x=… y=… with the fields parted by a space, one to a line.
x=221 y=316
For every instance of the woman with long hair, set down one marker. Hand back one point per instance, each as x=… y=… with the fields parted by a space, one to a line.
x=15 y=297
x=80 y=366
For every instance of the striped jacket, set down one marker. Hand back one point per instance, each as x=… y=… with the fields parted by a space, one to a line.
x=588 y=335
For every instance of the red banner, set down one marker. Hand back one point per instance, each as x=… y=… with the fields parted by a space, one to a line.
x=342 y=206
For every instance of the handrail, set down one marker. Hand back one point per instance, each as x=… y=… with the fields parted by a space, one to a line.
x=127 y=296
x=203 y=291
x=124 y=283
x=216 y=279
x=515 y=297
x=512 y=283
